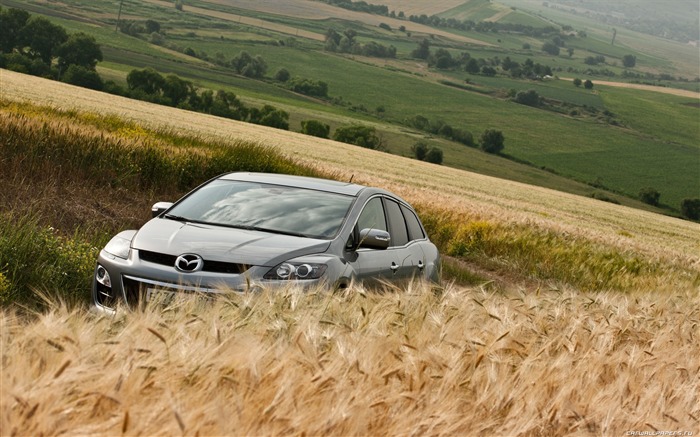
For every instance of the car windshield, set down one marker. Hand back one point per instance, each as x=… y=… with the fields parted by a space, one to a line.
x=265 y=207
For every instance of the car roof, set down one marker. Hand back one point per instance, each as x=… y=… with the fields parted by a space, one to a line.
x=328 y=185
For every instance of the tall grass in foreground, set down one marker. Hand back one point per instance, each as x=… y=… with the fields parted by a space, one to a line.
x=464 y=362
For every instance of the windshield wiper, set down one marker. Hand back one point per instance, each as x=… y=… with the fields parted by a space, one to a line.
x=177 y=218
x=271 y=231
x=278 y=231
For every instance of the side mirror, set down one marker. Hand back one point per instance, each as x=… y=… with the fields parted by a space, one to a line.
x=160 y=207
x=374 y=239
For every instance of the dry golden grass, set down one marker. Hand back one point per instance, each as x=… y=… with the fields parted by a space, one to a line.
x=290 y=362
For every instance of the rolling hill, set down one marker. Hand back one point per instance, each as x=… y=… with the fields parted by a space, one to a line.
x=575 y=142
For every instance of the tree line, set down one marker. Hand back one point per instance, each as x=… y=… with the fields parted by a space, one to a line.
x=345 y=42
x=34 y=45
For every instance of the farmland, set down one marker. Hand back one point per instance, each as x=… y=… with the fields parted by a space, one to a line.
x=568 y=344
x=577 y=154
x=567 y=305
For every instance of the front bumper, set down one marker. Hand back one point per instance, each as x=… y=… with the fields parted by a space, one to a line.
x=132 y=281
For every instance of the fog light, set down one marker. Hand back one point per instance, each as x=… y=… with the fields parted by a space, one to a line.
x=102 y=276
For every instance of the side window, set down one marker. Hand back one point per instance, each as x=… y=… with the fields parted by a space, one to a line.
x=415 y=230
x=372 y=216
x=399 y=234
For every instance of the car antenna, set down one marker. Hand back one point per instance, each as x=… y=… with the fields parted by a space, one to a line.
x=351 y=178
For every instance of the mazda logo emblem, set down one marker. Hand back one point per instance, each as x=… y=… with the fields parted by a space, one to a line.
x=189 y=263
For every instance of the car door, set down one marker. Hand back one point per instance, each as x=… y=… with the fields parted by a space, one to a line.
x=407 y=249
x=373 y=266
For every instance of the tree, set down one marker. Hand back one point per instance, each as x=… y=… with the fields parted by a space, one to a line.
x=282 y=75
x=442 y=59
x=629 y=61
x=248 y=65
x=551 y=48
x=11 y=22
x=314 y=88
x=472 y=66
x=422 y=51
x=84 y=77
x=690 y=208
x=529 y=98
x=359 y=135
x=152 y=26
x=42 y=38
x=570 y=51
x=147 y=80
x=420 y=149
x=577 y=82
x=434 y=155
x=80 y=49
x=588 y=84
x=650 y=196
x=489 y=71
x=270 y=116
x=492 y=141
x=315 y=128
x=176 y=90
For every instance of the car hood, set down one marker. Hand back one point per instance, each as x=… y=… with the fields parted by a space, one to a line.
x=218 y=243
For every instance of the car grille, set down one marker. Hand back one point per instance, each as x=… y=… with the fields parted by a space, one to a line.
x=209 y=265
x=136 y=289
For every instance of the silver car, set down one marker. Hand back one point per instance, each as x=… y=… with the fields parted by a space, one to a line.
x=243 y=231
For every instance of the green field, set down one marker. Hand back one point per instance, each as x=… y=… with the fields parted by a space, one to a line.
x=645 y=140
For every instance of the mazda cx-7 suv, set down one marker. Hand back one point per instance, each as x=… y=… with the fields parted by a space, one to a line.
x=247 y=231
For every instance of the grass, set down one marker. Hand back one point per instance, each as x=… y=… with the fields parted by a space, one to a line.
x=465 y=361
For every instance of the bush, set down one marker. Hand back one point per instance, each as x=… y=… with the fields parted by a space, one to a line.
x=315 y=128
x=420 y=149
x=690 y=208
x=650 y=196
x=434 y=155
x=81 y=76
x=551 y=48
x=282 y=75
x=314 y=88
x=492 y=141
x=64 y=264
x=359 y=135
x=529 y=98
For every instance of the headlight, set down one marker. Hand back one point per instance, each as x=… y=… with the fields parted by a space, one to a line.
x=300 y=271
x=118 y=247
x=102 y=276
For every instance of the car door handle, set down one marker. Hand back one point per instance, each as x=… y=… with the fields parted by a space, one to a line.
x=394 y=267
x=421 y=266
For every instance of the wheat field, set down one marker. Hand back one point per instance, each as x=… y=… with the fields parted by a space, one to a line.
x=464 y=362
x=525 y=358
